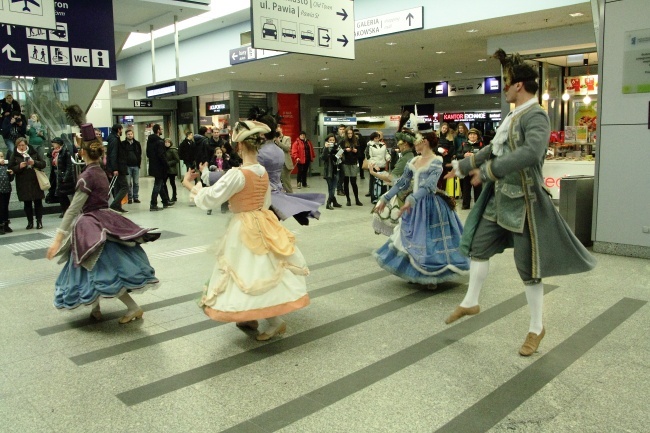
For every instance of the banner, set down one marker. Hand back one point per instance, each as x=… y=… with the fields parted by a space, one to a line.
x=289 y=110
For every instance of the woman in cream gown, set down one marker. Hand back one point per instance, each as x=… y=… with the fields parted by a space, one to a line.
x=260 y=273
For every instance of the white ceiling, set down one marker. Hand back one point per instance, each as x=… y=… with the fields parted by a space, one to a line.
x=413 y=54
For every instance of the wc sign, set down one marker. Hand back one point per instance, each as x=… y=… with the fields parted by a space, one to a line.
x=90 y=58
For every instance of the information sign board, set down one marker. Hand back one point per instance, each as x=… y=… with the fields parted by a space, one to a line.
x=78 y=47
x=34 y=13
x=394 y=22
x=166 y=89
x=322 y=28
x=143 y=103
x=248 y=54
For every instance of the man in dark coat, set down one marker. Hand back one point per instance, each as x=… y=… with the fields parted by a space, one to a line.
x=202 y=146
x=116 y=164
x=187 y=151
x=158 y=169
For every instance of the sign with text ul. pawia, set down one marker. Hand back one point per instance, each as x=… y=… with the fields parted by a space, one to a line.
x=35 y=13
x=322 y=28
x=81 y=44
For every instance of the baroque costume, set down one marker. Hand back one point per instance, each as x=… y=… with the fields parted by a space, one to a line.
x=424 y=247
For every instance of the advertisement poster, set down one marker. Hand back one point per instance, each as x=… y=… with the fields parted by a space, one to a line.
x=289 y=110
x=636 y=62
x=581 y=85
x=585 y=116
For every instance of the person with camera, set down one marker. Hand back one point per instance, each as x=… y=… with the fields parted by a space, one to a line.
x=331 y=157
x=468 y=148
x=23 y=163
x=13 y=126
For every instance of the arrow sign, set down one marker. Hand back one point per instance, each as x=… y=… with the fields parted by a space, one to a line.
x=344 y=40
x=234 y=56
x=344 y=14
x=410 y=17
x=10 y=53
x=327 y=38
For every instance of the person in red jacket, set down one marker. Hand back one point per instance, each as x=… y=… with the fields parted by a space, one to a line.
x=302 y=153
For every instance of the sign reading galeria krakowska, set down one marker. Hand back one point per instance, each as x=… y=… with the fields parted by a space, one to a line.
x=81 y=45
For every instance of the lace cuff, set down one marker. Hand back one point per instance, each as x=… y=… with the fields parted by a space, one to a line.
x=194 y=191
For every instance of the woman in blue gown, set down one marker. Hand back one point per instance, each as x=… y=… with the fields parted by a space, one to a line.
x=424 y=246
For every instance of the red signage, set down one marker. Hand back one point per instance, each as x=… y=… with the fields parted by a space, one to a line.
x=289 y=110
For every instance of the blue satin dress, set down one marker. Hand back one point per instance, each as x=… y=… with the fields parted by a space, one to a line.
x=424 y=246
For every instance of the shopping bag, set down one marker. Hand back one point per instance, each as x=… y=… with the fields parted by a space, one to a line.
x=43 y=181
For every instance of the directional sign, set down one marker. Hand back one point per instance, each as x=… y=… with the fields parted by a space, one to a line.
x=143 y=103
x=35 y=13
x=394 y=22
x=323 y=28
x=248 y=54
x=75 y=47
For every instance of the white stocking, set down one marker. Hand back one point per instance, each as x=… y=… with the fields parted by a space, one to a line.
x=535 y=298
x=129 y=302
x=274 y=324
x=478 y=271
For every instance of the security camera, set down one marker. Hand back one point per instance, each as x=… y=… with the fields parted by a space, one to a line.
x=383 y=83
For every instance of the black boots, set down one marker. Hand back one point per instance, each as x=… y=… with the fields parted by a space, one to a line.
x=329 y=204
x=30 y=225
x=6 y=227
x=335 y=203
x=39 y=224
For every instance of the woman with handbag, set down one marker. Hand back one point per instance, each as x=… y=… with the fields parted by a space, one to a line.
x=25 y=162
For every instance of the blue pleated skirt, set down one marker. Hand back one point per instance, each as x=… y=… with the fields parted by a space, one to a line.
x=424 y=247
x=119 y=268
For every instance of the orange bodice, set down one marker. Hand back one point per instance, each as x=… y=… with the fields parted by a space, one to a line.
x=252 y=196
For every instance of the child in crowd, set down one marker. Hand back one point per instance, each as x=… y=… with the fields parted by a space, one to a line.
x=218 y=166
x=6 y=177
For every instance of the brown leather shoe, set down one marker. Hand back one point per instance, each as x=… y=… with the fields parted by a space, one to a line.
x=462 y=312
x=251 y=324
x=532 y=343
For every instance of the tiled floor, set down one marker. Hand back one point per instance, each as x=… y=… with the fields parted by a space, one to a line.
x=370 y=354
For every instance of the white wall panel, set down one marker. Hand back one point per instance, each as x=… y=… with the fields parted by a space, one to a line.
x=623 y=199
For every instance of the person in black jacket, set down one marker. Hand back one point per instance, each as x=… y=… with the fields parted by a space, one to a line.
x=14 y=126
x=187 y=151
x=65 y=175
x=9 y=105
x=203 y=153
x=117 y=166
x=133 y=160
x=157 y=168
